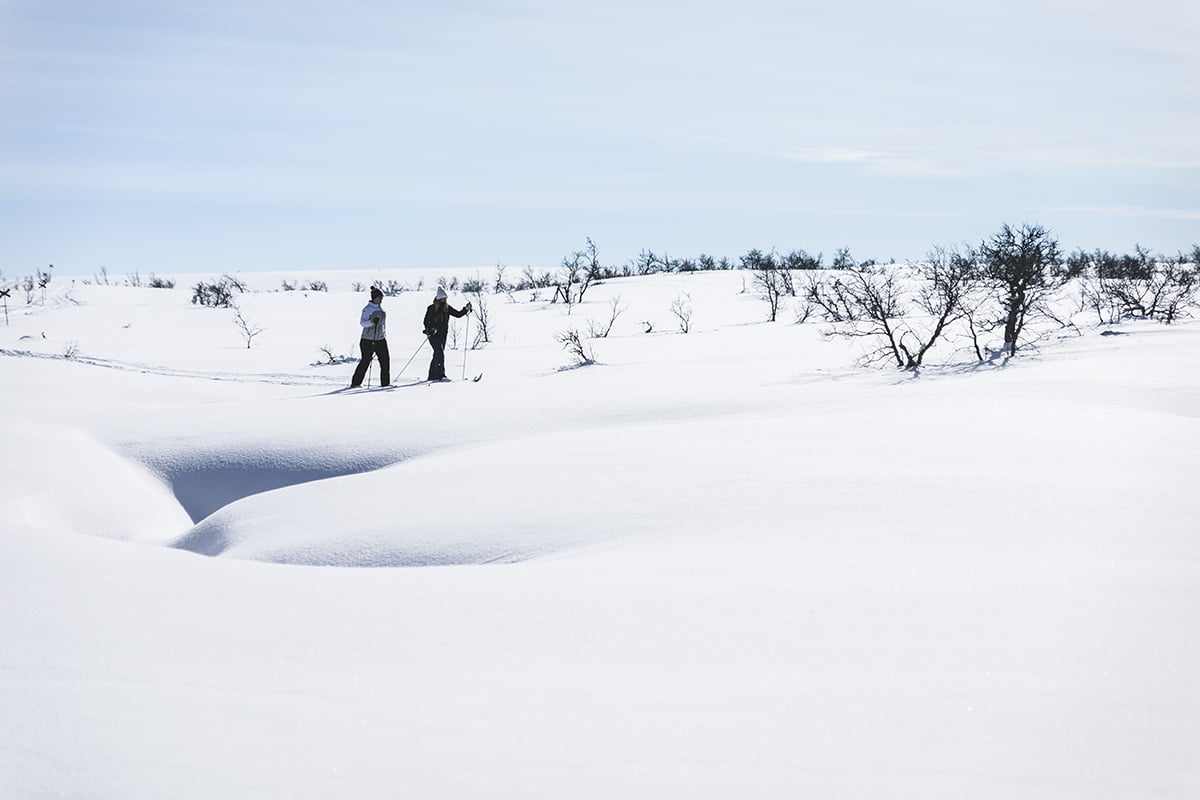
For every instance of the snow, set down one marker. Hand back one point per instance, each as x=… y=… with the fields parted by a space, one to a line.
x=723 y=563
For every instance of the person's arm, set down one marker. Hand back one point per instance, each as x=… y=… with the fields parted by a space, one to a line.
x=462 y=312
x=366 y=320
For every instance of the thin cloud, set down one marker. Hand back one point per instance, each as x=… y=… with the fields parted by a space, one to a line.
x=1134 y=211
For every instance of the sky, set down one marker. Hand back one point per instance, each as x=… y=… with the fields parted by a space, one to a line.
x=159 y=136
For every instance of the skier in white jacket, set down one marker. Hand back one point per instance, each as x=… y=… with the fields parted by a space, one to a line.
x=373 y=341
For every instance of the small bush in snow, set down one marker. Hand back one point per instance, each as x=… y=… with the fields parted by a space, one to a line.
x=579 y=349
x=217 y=294
x=1141 y=286
x=601 y=330
x=681 y=308
x=329 y=357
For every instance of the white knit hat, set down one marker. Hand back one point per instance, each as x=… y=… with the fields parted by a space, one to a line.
x=441 y=294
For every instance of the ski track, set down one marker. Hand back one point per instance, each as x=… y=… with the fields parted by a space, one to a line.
x=279 y=379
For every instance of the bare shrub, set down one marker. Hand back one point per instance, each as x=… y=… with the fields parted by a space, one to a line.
x=576 y=275
x=248 y=329
x=483 y=318
x=580 y=349
x=681 y=308
x=771 y=280
x=905 y=312
x=329 y=357
x=217 y=294
x=1142 y=286
x=601 y=330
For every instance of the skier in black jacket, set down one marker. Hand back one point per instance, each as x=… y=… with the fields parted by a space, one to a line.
x=437 y=325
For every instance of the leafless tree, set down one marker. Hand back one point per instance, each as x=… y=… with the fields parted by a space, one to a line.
x=875 y=298
x=681 y=308
x=576 y=275
x=483 y=319
x=947 y=292
x=826 y=294
x=1021 y=266
x=500 y=286
x=568 y=276
x=615 y=308
x=771 y=280
x=249 y=329
x=905 y=311
x=843 y=260
x=771 y=287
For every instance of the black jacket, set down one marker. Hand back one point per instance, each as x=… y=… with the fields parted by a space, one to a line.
x=437 y=319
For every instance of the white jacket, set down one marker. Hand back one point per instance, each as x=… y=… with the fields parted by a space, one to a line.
x=370 y=330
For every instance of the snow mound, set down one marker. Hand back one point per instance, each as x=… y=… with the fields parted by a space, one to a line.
x=405 y=515
x=210 y=475
x=66 y=482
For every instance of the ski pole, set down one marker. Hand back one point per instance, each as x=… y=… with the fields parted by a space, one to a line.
x=374 y=343
x=414 y=355
x=466 y=343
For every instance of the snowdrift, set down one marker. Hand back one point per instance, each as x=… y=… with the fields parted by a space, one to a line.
x=63 y=481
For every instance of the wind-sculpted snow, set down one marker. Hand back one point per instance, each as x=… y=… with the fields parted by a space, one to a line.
x=410 y=514
x=476 y=504
x=66 y=482
x=209 y=478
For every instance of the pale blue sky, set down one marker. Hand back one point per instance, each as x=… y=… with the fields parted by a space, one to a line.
x=157 y=135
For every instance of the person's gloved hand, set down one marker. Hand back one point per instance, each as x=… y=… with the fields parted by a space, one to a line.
x=375 y=318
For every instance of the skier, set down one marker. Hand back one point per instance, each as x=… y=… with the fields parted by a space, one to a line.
x=437 y=325
x=373 y=341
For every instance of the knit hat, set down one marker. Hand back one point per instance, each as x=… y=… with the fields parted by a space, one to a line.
x=376 y=292
x=441 y=294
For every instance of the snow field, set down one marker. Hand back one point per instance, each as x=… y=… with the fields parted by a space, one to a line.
x=715 y=564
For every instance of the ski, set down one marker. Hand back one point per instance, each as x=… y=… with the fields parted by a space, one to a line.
x=366 y=389
x=476 y=379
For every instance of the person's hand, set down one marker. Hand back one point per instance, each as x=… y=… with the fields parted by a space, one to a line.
x=469 y=307
x=428 y=332
x=375 y=318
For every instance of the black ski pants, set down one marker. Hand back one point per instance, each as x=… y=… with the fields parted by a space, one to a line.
x=437 y=365
x=370 y=348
